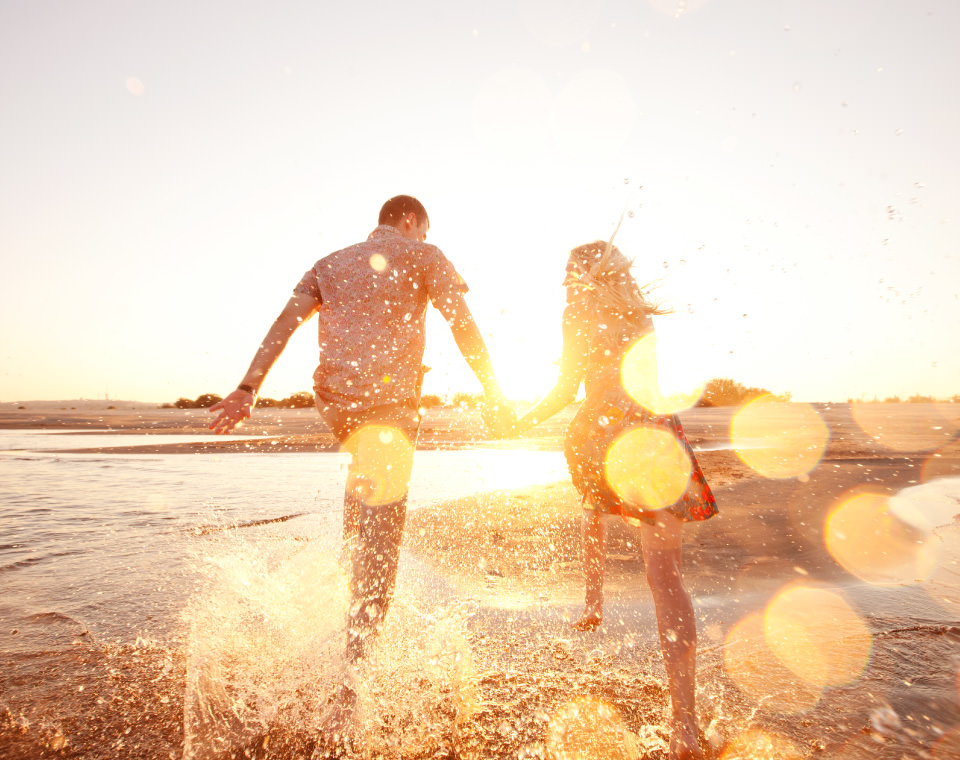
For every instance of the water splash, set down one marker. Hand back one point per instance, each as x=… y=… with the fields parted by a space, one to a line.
x=265 y=656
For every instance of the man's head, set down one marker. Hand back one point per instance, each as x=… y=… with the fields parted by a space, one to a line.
x=407 y=214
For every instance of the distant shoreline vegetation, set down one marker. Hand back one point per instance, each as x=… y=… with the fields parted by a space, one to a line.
x=720 y=391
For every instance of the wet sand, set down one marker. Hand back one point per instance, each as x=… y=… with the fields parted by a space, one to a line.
x=517 y=554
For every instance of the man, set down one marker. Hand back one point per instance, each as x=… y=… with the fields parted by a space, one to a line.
x=371 y=299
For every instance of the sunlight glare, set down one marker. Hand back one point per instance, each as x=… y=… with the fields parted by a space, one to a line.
x=588 y=727
x=817 y=635
x=648 y=468
x=779 y=439
x=640 y=378
x=384 y=461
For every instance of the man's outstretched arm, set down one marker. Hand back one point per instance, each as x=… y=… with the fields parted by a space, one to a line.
x=471 y=344
x=238 y=405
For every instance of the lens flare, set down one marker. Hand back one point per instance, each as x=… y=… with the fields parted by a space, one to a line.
x=588 y=727
x=648 y=468
x=640 y=378
x=378 y=263
x=907 y=427
x=817 y=635
x=759 y=674
x=876 y=545
x=779 y=439
x=382 y=463
x=757 y=744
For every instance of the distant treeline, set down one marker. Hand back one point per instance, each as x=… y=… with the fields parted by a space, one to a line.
x=304 y=400
x=720 y=391
x=301 y=400
x=916 y=398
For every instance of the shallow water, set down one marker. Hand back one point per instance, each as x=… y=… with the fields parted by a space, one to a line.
x=112 y=540
x=155 y=606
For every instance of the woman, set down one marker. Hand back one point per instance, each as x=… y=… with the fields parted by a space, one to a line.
x=606 y=315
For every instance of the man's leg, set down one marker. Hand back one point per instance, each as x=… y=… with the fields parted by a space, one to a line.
x=381 y=442
x=373 y=572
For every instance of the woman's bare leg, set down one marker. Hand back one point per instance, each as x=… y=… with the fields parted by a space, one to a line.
x=678 y=629
x=594 y=562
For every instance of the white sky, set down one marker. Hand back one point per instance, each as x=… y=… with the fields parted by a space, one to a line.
x=169 y=170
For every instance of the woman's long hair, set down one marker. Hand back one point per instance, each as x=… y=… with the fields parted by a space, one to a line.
x=602 y=272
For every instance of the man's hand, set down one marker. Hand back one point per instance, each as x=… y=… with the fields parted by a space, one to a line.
x=498 y=417
x=234 y=409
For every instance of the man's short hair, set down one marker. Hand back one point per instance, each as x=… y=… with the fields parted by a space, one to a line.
x=398 y=207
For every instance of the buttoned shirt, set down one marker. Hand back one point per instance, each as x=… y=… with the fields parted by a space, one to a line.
x=372 y=317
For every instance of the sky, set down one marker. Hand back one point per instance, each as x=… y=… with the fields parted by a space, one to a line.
x=787 y=170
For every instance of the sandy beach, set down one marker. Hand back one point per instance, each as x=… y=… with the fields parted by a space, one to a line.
x=517 y=555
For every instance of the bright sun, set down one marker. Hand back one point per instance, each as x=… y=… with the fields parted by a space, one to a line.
x=525 y=377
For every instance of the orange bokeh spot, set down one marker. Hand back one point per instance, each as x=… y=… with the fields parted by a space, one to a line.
x=588 y=727
x=648 y=468
x=759 y=674
x=779 y=439
x=817 y=635
x=873 y=543
x=757 y=744
x=382 y=463
x=640 y=378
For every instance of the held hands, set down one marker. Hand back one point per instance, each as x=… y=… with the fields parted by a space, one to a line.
x=234 y=409
x=498 y=417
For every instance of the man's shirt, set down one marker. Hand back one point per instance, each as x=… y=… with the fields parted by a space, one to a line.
x=373 y=301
